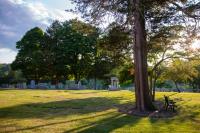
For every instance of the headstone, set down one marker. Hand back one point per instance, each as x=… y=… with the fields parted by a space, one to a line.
x=24 y=85
x=11 y=86
x=52 y=87
x=114 y=83
x=60 y=86
x=91 y=84
x=43 y=86
x=32 y=84
x=79 y=85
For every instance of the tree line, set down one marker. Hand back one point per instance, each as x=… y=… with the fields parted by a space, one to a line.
x=77 y=50
x=71 y=50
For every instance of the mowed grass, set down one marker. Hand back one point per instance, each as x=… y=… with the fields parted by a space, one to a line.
x=89 y=111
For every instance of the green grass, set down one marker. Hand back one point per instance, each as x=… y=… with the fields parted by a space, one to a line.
x=55 y=111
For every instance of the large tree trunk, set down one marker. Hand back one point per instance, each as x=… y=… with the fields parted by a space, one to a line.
x=142 y=92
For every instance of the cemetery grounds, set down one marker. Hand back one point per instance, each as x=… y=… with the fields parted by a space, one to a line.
x=90 y=111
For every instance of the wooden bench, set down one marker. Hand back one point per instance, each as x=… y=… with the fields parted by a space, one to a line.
x=169 y=104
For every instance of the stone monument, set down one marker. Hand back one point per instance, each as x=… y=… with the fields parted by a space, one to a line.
x=114 y=83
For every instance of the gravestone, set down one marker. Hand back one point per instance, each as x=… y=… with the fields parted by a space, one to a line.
x=32 y=84
x=43 y=86
x=52 y=87
x=79 y=85
x=21 y=85
x=91 y=84
x=60 y=86
x=24 y=86
x=114 y=83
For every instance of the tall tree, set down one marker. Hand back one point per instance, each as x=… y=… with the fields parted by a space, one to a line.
x=141 y=15
x=55 y=53
x=82 y=49
x=72 y=47
x=29 y=57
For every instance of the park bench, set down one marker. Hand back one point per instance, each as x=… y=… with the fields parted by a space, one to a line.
x=169 y=104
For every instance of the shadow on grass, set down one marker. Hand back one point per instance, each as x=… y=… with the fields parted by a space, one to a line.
x=60 y=108
x=111 y=120
x=116 y=121
x=107 y=124
x=56 y=123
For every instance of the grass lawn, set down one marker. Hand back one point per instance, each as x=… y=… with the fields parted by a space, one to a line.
x=89 y=111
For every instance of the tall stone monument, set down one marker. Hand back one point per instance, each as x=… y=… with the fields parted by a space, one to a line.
x=114 y=84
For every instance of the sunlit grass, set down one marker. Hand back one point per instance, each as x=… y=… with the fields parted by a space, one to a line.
x=55 y=111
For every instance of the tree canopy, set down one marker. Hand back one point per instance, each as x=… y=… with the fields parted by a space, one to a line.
x=141 y=17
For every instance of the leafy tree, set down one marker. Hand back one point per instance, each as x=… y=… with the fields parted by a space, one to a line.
x=161 y=49
x=140 y=16
x=195 y=81
x=72 y=47
x=126 y=73
x=116 y=43
x=113 y=50
x=180 y=71
x=29 y=57
x=4 y=74
x=56 y=55
x=8 y=76
x=82 y=49
x=65 y=49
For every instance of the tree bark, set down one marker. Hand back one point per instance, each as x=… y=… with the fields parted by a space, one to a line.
x=151 y=82
x=76 y=78
x=154 y=89
x=176 y=84
x=142 y=92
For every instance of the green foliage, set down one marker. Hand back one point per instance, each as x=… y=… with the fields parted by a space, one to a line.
x=8 y=76
x=180 y=71
x=113 y=50
x=167 y=23
x=116 y=42
x=163 y=84
x=29 y=58
x=65 y=50
x=195 y=81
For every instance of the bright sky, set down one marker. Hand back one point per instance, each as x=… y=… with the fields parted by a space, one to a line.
x=18 y=16
x=196 y=44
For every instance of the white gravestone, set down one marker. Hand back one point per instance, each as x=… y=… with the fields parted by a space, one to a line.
x=114 y=83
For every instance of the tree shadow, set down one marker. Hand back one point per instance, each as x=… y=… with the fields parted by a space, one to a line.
x=60 y=108
x=107 y=124
x=55 y=123
x=111 y=119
